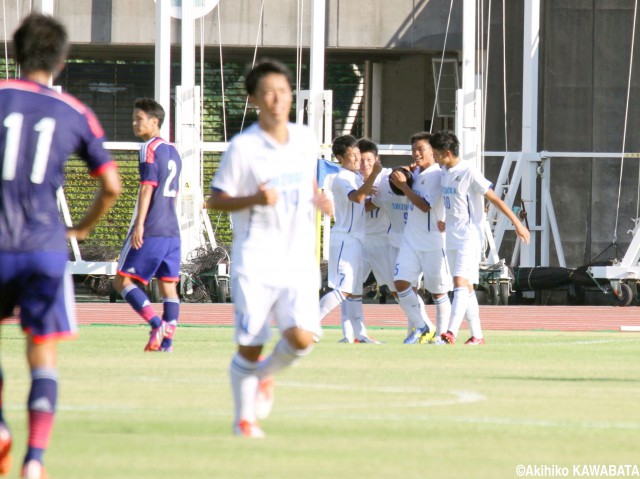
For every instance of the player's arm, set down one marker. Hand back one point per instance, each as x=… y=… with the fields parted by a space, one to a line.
x=521 y=230
x=360 y=195
x=400 y=181
x=108 y=192
x=144 y=201
x=220 y=200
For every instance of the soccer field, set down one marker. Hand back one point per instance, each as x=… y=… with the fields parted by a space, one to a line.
x=346 y=411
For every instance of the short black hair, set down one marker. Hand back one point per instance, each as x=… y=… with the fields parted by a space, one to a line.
x=407 y=175
x=40 y=44
x=341 y=143
x=365 y=145
x=445 y=140
x=421 y=135
x=260 y=70
x=151 y=108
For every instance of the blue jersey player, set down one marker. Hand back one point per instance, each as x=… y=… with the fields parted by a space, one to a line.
x=39 y=129
x=152 y=247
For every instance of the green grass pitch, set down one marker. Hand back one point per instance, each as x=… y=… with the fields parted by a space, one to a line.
x=346 y=411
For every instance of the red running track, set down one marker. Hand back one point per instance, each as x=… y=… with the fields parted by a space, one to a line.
x=556 y=318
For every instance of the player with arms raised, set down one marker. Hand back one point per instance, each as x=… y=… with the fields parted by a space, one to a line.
x=267 y=181
x=464 y=189
x=39 y=129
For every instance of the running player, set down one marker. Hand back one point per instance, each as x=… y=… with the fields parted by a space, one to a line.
x=464 y=189
x=349 y=193
x=267 y=181
x=39 y=129
x=422 y=249
x=152 y=247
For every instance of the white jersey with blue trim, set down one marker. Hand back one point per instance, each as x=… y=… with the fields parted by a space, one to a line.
x=396 y=206
x=463 y=190
x=349 y=215
x=421 y=232
x=378 y=222
x=273 y=244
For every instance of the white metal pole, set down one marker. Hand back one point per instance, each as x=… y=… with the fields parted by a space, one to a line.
x=47 y=7
x=467 y=124
x=163 y=62
x=316 y=80
x=529 y=191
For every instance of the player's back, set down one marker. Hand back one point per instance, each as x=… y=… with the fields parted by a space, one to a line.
x=40 y=129
x=160 y=166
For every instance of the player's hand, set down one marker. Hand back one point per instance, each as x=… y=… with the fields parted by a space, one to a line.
x=77 y=233
x=398 y=179
x=441 y=226
x=137 y=235
x=374 y=191
x=266 y=196
x=323 y=203
x=523 y=233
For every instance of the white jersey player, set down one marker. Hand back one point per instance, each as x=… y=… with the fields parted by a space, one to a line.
x=464 y=189
x=267 y=181
x=422 y=248
x=349 y=192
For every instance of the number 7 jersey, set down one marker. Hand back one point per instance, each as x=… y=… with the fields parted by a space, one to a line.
x=39 y=129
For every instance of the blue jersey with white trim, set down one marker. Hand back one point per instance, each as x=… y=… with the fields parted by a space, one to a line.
x=160 y=166
x=39 y=129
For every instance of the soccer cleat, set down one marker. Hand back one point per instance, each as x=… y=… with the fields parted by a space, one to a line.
x=157 y=335
x=473 y=341
x=416 y=334
x=264 y=397
x=248 y=429
x=5 y=449
x=437 y=340
x=427 y=336
x=366 y=340
x=346 y=340
x=33 y=470
x=448 y=337
x=167 y=340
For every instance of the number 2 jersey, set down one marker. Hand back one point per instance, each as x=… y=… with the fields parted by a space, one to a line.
x=160 y=166
x=40 y=128
x=272 y=244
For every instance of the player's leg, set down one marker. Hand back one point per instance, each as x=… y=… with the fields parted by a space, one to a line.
x=141 y=265
x=300 y=326
x=347 y=325
x=406 y=271
x=473 y=317
x=335 y=279
x=252 y=306
x=47 y=314
x=41 y=403
x=5 y=435
x=8 y=294
x=438 y=281
x=461 y=264
x=169 y=274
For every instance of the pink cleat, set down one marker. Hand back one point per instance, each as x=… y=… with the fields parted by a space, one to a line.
x=33 y=470
x=248 y=429
x=5 y=449
x=448 y=337
x=473 y=341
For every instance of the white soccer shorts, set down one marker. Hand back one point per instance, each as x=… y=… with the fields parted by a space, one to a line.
x=296 y=305
x=465 y=263
x=433 y=264
x=345 y=264
x=379 y=257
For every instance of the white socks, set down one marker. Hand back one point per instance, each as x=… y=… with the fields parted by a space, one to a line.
x=353 y=314
x=443 y=313
x=283 y=355
x=244 y=387
x=458 y=308
x=413 y=306
x=473 y=316
x=330 y=301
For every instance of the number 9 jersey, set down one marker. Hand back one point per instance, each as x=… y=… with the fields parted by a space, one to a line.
x=40 y=129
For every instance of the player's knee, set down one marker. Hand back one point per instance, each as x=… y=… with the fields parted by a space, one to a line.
x=299 y=339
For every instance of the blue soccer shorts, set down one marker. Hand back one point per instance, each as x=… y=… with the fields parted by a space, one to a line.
x=39 y=283
x=159 y=256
